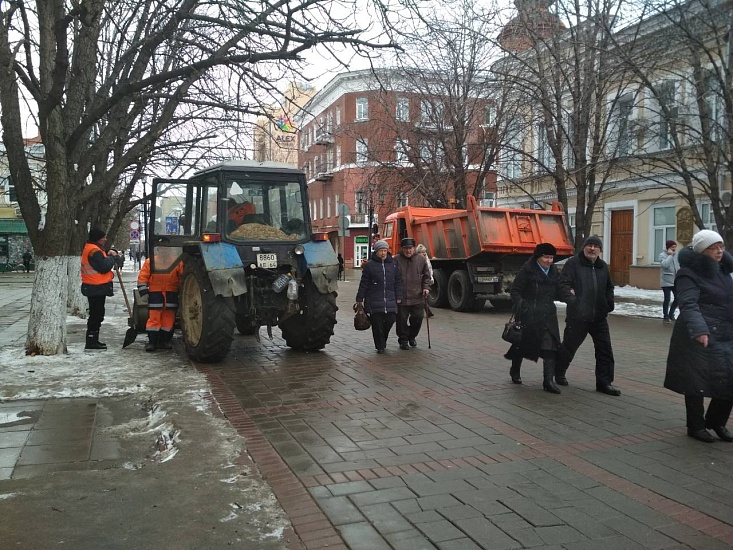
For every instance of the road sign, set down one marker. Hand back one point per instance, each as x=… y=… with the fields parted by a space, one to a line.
x=344 y=233
x=134 y=226
x=343 y=222
x=343 y=209
x=134 y=235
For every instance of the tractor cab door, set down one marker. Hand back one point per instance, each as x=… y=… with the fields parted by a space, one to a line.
x=176 y=211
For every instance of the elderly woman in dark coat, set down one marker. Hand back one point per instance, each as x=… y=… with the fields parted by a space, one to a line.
x=700 y=360
x=534 y=292
x=380 y=290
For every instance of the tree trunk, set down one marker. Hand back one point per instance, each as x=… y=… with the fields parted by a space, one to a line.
x=47 y=322
x=76 y=303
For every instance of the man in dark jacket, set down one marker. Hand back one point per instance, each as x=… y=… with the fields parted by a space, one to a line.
x=96 y=282
x=416 y=281
x=586 y=277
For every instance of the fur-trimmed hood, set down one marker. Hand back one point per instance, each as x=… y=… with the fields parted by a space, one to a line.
x=704 y=265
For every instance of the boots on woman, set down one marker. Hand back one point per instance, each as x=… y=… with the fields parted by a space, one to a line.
x=515 y=369
x=548 y=372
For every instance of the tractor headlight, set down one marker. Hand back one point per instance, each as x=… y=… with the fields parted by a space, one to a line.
x=299 y=250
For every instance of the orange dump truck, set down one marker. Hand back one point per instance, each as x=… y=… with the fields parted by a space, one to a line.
x=477 y=252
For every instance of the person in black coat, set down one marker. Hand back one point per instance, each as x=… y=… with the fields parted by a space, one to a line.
x=534 y=292
x=380 y=290
x=587 y=278
x=700 y=359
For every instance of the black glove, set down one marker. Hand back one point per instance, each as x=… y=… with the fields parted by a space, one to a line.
x=143 y=291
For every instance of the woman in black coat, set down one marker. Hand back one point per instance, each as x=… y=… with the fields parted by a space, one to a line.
x=534 y=292
x=380 y=289
x=700 y=360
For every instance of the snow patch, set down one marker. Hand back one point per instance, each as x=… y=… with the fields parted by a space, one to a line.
x=6 y=496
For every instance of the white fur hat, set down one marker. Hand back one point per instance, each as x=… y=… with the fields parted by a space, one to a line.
x=705 y=238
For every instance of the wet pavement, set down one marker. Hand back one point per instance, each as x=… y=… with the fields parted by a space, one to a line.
x=435 y=448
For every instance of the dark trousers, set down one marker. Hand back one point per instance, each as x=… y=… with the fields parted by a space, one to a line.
x=409 y=322
x=27 y=265
x=575 y=332
x=381 y=325
x=667 y=310
x=96 y=313
x=716 y=416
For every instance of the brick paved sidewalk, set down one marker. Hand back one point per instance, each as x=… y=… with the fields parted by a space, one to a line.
x=435 y=448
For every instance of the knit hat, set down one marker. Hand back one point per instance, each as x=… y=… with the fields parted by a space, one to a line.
x=379 y=245
x=95 y=234
x=544 y=249
x=408 y=242
x=593 y=239
x=705 y=238
x=670 y=244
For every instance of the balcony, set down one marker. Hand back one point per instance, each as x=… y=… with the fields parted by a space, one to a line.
x=323 y=137
x=358 y=218
x=324 y=176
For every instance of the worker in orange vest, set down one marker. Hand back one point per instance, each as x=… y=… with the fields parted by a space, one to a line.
x=96 y=282
x=162 y=292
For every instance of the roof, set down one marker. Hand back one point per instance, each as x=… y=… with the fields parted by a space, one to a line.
x=250 y=165
x=13 y=226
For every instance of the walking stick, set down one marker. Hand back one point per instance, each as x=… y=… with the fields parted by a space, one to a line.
x=427 y=319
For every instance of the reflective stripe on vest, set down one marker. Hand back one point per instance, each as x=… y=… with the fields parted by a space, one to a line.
x=89 y=275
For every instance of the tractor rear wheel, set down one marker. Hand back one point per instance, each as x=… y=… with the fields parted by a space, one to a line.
x=312 y=327
x=207 y=321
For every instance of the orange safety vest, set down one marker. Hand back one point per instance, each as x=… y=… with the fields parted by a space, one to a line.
x=159 y=282
x=89 y=276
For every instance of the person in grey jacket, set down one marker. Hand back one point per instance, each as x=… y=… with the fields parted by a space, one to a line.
x=669 y=267
x=700 y=359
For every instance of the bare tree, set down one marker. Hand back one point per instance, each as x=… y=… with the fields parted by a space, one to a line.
x=561 y=70
x=439 y=108
x=119 y=88
x=683 y=126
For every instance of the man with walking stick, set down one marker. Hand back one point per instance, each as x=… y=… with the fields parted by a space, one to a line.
x=416 y=280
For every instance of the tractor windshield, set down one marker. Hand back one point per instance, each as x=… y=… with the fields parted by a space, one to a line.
x=264 y=210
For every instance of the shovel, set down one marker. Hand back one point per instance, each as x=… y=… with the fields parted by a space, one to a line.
x=131 y=333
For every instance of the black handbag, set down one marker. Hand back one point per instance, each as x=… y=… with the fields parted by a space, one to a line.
x=512 y=331
x=361 y=319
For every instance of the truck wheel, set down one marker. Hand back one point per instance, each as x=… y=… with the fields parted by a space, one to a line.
x=438 y=296
x=460 y=291
x=311 y=329
x=207 y=321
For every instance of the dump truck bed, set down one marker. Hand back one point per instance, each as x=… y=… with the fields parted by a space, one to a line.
x=459 y=234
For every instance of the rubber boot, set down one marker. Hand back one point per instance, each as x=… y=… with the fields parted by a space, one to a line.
x=152 y=344
x=164 y=339
x=92 y=342
x=548 y=371
x=515 y=370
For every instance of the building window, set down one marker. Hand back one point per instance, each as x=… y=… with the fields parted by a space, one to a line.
x=362 y=150
x=360 y=200
x=621 y=126
x=512 y=162
x=328 y=207
x=338 y=117
x=402 y=198
x=664 y=228
x=329 y=123
x=400 y=151
x=320 y=208
x=402 y=112
x=490 y=115
x=666 y=98
x=545 y=159
x=708 y=218
x=714 y=106
x=338 y=155
x=362 y=108
x=431 y=114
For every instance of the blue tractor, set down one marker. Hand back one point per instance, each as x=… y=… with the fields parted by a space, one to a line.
x=243 y=232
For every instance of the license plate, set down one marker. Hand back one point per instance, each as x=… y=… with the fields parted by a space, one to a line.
x=267 y=261
x=487 y=279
